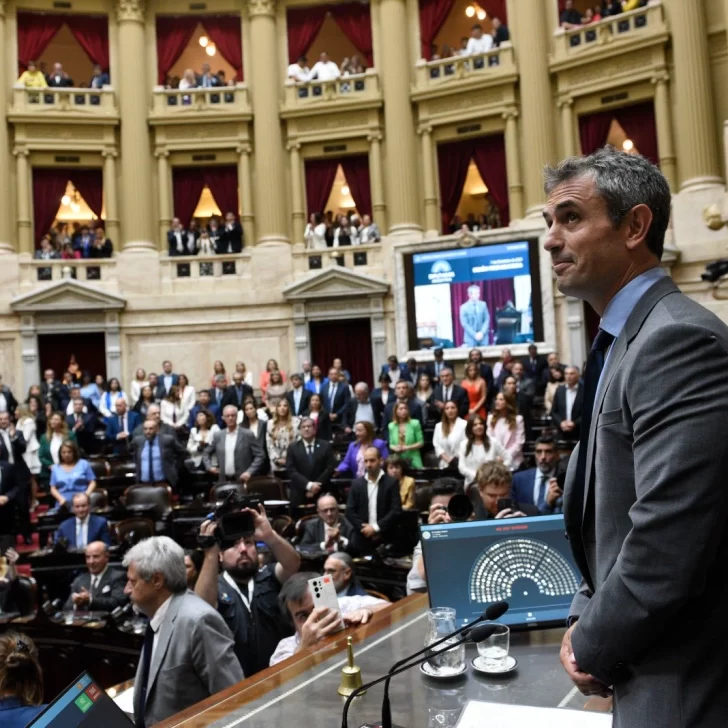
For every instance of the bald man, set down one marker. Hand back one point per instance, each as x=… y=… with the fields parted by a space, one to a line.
x=101 y=588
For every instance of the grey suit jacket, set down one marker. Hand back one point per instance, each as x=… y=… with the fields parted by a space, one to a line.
x=474 y=318
x=193 y=659
x=651 y=540
x=249 y=455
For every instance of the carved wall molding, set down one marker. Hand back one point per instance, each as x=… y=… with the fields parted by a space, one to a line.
x=130 y=10
x=261 y=7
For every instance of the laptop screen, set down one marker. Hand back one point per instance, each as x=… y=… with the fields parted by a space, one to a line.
x=523 y=561
x=84 y=704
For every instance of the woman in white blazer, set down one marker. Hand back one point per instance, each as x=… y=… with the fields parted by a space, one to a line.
x=107 y=403
x=449 y=433
x=477 y=448
x=315 y=232
x=171 y=410
x=187 y=393
x=135 y=390
x=201 y=435
x=506 y=427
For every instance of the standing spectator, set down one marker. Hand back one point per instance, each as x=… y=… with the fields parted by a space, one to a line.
x=188 y=80
x=611 y=7
x=21 y=680
x=239 y=455
x=424 y=394
x=204 y=402
x=232 y=235
x=556 y=379
x=434 y=367
x=11 y=498
x=353 y=462
x=271 y=366
x=83 y=242
x=68 y=253
x=186 y=393
x=369 y=232
x=570 y=16
x=58 y=78
x=566 y=409
x=476 y=389
x=107 y=403
x=310 y=463
x=46 y=250
x=405 y=435
x=534 y=364
x=27 y=425
x=145 y=401
x=247 y=375
x=201 y=435
x=317 y=383
x=501 y=34
x=397 y=469
x=50 y=444
x=215 y=235
x=207 y=79
x=258 y=428
x=336 y=396
x=71 y=475
x=33 y=77
x=102 y=247
x=320 y=415
x=8 y=403
x=119 y=427
x=217 y=368
x=315 y=232
x=506 y=427
x=99 y=78
x=275 y=392
x=166 y=380
x=478 y=42
x=298 y=397
x=219 y=390
x=299 y=71
x=205 y=245
x=157 y=455
x=359 y=409
x=137 y=384
x=325 y=69
x=477 y=448
x=177 y=239
x=282 y=432
x=173 y=411
x=50 y=389
x=343 y=233
x=449 y=433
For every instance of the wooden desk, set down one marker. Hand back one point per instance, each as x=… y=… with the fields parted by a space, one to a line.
x=301 y=691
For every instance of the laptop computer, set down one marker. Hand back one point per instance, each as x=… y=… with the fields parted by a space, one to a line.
x=83 y=704
x=523 y=561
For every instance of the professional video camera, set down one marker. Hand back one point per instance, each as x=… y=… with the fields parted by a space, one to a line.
x=233 y=523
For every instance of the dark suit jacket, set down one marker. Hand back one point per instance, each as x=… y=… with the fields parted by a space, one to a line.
x=415 y=408
x=522 y=489
x=98 y=530
x=323 y=426
x=389 y=505
x=534 y=370
x=558 y=412
x=113 y=428
x=457 y=395
x=402 y=371
x=162 y=391
x=231 y=241
x=172 y=243
x=10 y=488
x=341 y=399
x=305 y=399
x=52 y=393
x=314 y=531
x=231 y=396
x=349 y=418
x=21 y=469
x=108 y=595
x=430 y=369
x=171 y=451
x=302 y=471
x=138 y=432
x=212 y=408
x=65 y=81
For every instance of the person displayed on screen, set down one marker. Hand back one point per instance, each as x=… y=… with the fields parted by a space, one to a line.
x=475 y=319
x=21 y=681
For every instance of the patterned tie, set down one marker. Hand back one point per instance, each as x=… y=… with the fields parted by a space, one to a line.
x=541 y=501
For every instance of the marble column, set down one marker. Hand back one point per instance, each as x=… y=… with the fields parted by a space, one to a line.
x=164 y=180
x=111 y=202
x=136 y=167
x=271 y=218
x=664 y=130
x=245 y=195
x=297 y=202
x=6 y=232
x=513 y=165
x=403 y=209
x=568 y=148
x=432 y=208
x=24 y=187
x=531 y=29
x=376 y=177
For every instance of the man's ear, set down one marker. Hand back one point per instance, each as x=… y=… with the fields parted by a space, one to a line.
x=638 y=223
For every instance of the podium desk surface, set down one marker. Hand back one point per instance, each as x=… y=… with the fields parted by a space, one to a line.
x=301 y=691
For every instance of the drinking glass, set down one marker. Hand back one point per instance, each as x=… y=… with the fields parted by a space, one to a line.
x=494 y=650
x=443 y=661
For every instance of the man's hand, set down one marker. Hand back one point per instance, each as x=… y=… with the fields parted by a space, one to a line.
x=321 y=623
x=81 y=598
x=358 y=616
x=508 y=513
x=4 y=500
x=263 y=530
x=438 y=514
x=213 y=471
x=122 y=436
x=333 y=417
x=245 y=477
x=315 y=489
x=333 y=538
x=12 y=556
x=554 y=492
x=567 y=425
x=587 y=684
x=368 y=531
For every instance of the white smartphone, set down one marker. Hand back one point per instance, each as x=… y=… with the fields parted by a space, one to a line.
x=324 y=594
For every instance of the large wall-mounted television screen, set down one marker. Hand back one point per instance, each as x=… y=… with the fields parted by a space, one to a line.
x=480 y=296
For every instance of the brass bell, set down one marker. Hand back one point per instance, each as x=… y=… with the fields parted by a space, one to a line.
x=351 y=674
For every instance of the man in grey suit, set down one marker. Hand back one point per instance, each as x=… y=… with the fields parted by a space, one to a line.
x=239 y=454
x=188 y=650
x=475 y=319
x=645 y=500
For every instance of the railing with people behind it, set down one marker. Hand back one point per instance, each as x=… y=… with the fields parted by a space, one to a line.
x=96 y=270
x=623 y=27
x=233 y=99
x=361 y=257
x=345 y=88
x=87 y=101
x=212 y=267
x=444 y=70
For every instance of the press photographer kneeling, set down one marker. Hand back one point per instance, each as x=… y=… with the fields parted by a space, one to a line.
x=245 y=595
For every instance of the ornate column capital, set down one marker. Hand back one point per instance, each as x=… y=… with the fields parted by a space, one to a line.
x=261 y=7
x=424 y=129
x=510 y=113
x=21 y=152
x=130 y=10
x=243 y=149
x=660 y=77
x=293 y=146
x=161 y=153
x=565 y=102
x=110 y=154
x=376 y=137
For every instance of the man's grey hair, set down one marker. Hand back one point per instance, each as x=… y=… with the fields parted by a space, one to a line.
x=623 y=181
x=159 y=554
x=361 y=387
x=305 y=420
x=153 y=407
x=80 y=495
x=220 y=379
x=344 y=558
x=229 y=407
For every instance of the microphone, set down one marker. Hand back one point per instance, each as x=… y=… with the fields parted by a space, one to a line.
x=477 y=634
x=493 y=612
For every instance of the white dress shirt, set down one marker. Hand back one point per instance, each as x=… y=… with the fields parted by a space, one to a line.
x=297 y=73
x=3 y=403
x=82 y=534
x=328 y=71
x=56 y=442
x=156 y=622
x=9 y=446
x=372 y=492
x=571 y=393
x=230 y=439
x=479 y=45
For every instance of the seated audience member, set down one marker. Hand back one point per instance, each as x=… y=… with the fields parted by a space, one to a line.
x=58 y=78
x=449 y=433
x=101 y=588
x=275 y=392
x=71 y=475
x=56 y=434
x=32 y=77
x=82 y=425
x=317 y=382
x=506 y=427
x=271 y=366
x=324 y=69
x=501 y=34
x=448 y=391
x=336 y=396
x=443 y=489
x=102 y=247
x=157 y=456
x=477 y=448
x=424 y=394
x=374 y=506
x=340 y=567
x=201 y=435
x=21 y=680
x=245 y=594
x=404 y=393
x=99 y=78
x=539 y=486
x=299 y=71
x=145 y=401
x=238 y=453
x=172 y=410
x=555 y=380
x=310 y=463
x=197 y=659
x=231 y=235
x=434 y=368
x=312 y=625
x=405 y=435
x=46 y=251
x=353 y=462
x=478 y=42
x=494 y=482
x=237 y=392
x=570 y=17
x=107 y=401
x=369 y=232
x=397 y=468
x=394 y=370
x=359 y=409
x=282 y=431
x=330 y=531
x=84 y=528
x=298 y=396
x=320 y=415
x=193 y=566
x=566 y=409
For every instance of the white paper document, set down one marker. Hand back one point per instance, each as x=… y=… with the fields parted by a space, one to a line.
x=125 y=701
x=499 y=715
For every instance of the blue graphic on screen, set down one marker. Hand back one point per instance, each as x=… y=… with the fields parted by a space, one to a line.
x=475 y=296
x=525 y=562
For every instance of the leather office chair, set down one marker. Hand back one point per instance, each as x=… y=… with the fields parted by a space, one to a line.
x=267 y=487
x=508 y=324
x=430 y=460
x=24 y=594
x=136 y=528
x=300 y=526
x=157 y=498
x=220 y=492
x=101 y=468
x=283 y=526
x=99 y=499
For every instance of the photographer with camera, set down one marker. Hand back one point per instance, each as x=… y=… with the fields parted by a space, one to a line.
x=245 y=595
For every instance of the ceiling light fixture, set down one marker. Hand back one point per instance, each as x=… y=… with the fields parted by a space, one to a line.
x=204 y=41
x=470 y=11
x=628 y=145
x=65 y=200
x=211 y=49
x=474 y=9
x=345 y=190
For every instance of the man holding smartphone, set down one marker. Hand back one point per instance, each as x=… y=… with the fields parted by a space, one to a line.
x=494 y=482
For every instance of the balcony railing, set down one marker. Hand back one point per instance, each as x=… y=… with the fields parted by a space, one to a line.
x=362 y=86
x=363 y=257
x=476 y=66
x=101 y=270
x=194 y=101
x=67 y=101
x=211 y=267
x=614 y=29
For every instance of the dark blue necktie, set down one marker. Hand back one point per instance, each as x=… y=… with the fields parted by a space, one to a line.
x=151 y=461
x=146 y=664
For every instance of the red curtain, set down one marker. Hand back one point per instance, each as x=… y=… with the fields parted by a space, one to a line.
x=496 y=9
x=355 y=22
x=35 y=32
x=173 y=35
x=90 y=184
x=49 y=185
x=356 y=171
x=350 y=341
x=224 y=32
x=223 y=184
x=92 y=34
x=453 y=159
x=489 y=154
x=433 y=14
x=639 y=125
x=304 y=25
x=495 y=294
x=187 y=184
x=594 y=130
x=320 y=175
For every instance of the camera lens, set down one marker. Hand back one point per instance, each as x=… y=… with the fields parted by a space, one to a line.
x=460 y=508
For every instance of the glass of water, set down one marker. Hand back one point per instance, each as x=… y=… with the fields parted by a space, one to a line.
x=442 y=660
x=494 y=650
